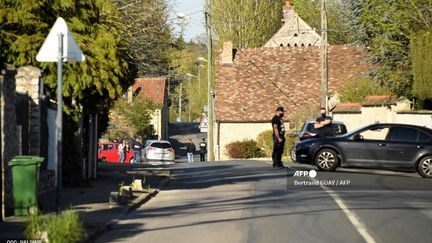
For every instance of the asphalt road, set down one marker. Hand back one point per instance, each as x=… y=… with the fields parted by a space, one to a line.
x=248 y=201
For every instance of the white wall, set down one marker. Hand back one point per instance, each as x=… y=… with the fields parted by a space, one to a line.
x=230 y=132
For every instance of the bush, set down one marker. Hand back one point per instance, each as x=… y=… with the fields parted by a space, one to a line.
x=265 y=142
x=66 y=227
x=245 y=149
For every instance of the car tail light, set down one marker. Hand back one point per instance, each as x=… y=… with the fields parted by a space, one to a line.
x=171 y=150
x=151 y=148
x=307 y=135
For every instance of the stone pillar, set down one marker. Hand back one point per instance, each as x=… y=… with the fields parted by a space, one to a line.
x=9 y=134
x=28 y=80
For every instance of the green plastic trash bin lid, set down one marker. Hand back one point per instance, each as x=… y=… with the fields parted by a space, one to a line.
x=26 y=160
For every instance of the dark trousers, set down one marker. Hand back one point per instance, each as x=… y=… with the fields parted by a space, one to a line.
x=202 y=156
x=278 y=149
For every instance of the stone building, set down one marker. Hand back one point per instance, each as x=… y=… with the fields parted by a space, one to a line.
x=155 y=89
x=252 y=82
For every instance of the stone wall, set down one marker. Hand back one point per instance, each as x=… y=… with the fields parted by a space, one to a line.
x=28 y=82
x=9 y=142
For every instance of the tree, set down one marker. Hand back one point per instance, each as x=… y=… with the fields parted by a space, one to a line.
x=92 y=84
x=131 y=119
x=356 y=90
x=337 y=19
x=148 y=34
x=247 y=23
x=385 y=28
x=421 y=52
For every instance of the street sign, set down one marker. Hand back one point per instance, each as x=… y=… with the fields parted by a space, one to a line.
x=59 y=46
x=204 y=122
x=203 y=126
x=50 y=47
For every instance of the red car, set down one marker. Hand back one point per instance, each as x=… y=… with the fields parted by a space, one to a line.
x=107 y=152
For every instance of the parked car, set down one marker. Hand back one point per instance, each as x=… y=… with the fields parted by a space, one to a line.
x=308 y=131
x=388 y=146
x=107 y=152
x=158 y=152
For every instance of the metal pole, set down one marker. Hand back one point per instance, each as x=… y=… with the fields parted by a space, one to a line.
x=209 y=79
x=180 y=102
x=59 y=120
x=324 y=67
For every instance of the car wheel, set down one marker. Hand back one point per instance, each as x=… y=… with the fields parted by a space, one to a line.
x=293 y=154
x=424 y=167
x=326 y=160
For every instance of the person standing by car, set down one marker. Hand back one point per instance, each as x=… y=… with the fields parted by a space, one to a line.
x=323 y=125
x=203 y=149
x=121 y=150
x=278 y=137
x=190 y=149
x=136 y=147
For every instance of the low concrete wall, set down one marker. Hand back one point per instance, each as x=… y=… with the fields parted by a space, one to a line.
x=230 y=132
x=371 y=115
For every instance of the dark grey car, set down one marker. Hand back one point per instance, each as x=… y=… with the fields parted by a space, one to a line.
x=391 y=146
x=308 y=131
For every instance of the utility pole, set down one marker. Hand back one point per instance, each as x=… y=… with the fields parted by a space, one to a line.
x=180 y=102
x=209 y=79
x=324 y=58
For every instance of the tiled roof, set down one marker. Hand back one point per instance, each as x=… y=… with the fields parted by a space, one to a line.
x=347 y=108
x=377 y=100
x=153 y=88
x=290 y=77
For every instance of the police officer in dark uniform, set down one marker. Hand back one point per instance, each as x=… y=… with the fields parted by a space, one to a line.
x=323 y=125
x=278 y=137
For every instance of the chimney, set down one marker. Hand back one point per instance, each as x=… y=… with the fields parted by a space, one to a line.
x=227 y=53
x=285 y=9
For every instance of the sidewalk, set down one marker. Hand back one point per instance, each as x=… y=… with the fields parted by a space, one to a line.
x=92 y=201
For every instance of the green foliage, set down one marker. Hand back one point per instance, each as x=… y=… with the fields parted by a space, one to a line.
x=67 y=227
x=301 y=114
x=148 y=34
x=357 y=90
x=247 y=23
x=265 y=143
x=385 y=28
x=184 y=59
x=132 y=119
x=337 y=19
x=245 y=149
x=421 y=52
x=92 y=84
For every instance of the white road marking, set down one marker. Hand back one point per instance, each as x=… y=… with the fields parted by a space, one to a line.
x=352 y=217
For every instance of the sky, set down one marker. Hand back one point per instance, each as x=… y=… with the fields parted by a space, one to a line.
x=195 y=10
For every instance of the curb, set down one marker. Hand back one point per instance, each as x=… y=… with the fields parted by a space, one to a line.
x=136 y=203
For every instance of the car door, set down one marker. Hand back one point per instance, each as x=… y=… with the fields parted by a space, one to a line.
x=366 y=147
x=402 y=147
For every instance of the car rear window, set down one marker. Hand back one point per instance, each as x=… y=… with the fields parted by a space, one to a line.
x=405 y=134
x=423 y=137
x=160 y=145
x=339 y=129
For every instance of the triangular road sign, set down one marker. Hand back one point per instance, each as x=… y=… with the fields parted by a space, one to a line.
x=49 y=50
x=204 y=122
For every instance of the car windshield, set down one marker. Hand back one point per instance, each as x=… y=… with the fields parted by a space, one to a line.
x=160 y=145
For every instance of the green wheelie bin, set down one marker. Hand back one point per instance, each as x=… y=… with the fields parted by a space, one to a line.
x=25 y=170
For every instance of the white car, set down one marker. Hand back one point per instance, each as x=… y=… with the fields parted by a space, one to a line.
x=158 y=152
